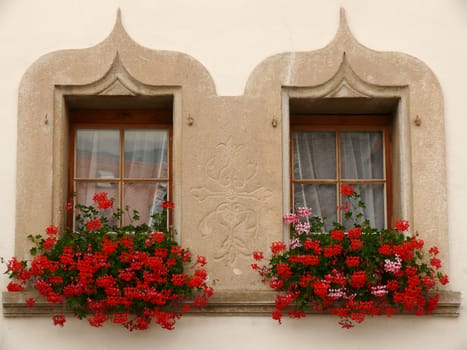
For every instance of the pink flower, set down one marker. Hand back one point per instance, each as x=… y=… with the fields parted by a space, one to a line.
x=393 y=266
x=290 y=218
x=295 y=243
x=302 y=227
x=379 y=291
x=303 y=212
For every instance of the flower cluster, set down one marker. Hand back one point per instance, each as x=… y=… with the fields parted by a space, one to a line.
x=129 y=275
x=350 y=272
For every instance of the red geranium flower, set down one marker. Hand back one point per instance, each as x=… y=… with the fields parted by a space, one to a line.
x=435 y=262
x=444 y=280
x=52 y=230
x=337 y=235
x=258 y=256
x=352 y=261
x=402 y=225
x=59 y=320
x=366 y=271
x=168 y=205
x=49 y=242
x=201 y=260
x=355 y=232
x=122 y=274
x=14 y=287
x=277 y=247
x=93 y=225
x=347 y=190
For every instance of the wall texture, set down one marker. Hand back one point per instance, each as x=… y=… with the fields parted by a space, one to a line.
x=230 y=40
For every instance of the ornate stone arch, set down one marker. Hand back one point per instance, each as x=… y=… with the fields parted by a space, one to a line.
x=350 y=75
x=116 y=72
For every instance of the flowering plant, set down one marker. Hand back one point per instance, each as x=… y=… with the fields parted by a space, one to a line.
x=129 y=275
x=350 y=272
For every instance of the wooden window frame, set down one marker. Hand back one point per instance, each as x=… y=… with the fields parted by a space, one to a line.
x=118 y=119
x=340 y=123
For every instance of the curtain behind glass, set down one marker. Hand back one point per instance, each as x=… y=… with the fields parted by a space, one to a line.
x=145 y=158
x=315 y=158
x=361 y=158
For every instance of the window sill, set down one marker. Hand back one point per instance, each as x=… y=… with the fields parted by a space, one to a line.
x=224 y=303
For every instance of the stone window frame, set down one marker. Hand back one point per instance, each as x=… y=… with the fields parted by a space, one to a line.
x=347 y=76
x=345 y=93
x=344 y=72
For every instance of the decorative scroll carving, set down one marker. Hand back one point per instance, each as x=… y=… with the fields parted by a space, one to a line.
x=234 y=222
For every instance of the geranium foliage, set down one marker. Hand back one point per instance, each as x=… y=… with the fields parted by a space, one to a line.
x=351 y=272
x=130 y=275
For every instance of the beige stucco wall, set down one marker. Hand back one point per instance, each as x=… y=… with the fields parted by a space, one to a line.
x=229 y=41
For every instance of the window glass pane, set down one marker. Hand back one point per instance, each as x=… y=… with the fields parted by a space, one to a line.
x=146 y=154
x=314 y=155
x=146 y=198
x=321 y=199
x=97 y=153
x=85 y=192
x=374 y=211
x=362 y=155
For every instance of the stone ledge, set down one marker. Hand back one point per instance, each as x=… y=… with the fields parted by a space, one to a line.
x=223 y=303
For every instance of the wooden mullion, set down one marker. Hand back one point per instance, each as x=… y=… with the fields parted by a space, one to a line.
x=121 y=188
x=149 y=179
x=100 y=179
x=315 y=181
x=363 y=181
x=388 y=174
x=338 y=175
x=170 y=219
x=71 y=174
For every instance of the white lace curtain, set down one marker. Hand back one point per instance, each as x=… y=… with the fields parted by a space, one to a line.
x=361 y=158
x=145 y=158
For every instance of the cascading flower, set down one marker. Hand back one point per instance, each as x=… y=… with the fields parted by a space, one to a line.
x=130 y=275
x=350 y=272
